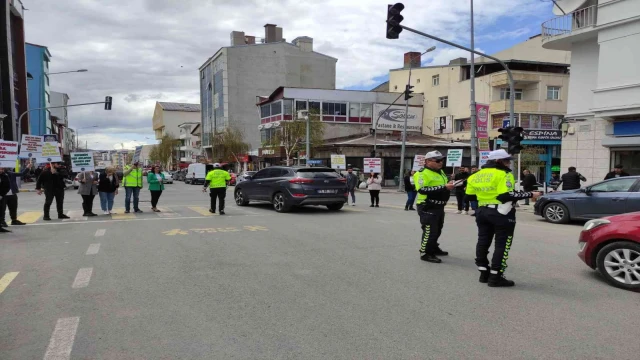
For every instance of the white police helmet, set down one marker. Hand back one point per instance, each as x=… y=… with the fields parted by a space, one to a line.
x=216 y=165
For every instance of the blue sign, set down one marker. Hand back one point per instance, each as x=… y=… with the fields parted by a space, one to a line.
x=626 y=128
x=314 y=162
x=506 y=122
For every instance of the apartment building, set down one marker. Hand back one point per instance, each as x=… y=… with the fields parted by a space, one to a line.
x=38 y=58
x=235 y=75
x=168 y=116
x=602 y=126
x=541 y=89
x=189 y=143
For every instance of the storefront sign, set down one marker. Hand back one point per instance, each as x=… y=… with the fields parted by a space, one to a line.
x=484 y=157
x=82 y=161
x=338 y=162
x=393 y=117
x=372 y=165
x=454 y=157
x=482 y=121
x=534 y=134
x=418 y=162
x=314 y=162
x=8 y=153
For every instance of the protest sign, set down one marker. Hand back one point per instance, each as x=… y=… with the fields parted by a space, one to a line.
x=338 y=162
x=30 y=146
x=82 y=161
x=8 y=154
x=372 y=165
x=418 y=162
x=454 y=157
x=136 y=155
x=50 y=153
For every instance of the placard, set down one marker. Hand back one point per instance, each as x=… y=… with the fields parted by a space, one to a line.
x=338 y=162
x=418 y=162
x=82 y=161
x=137 y=153
x=8 y=153
x=372 y=165
x=484 y=157
x=50 y=153
x=30 y=147
x=454 y=157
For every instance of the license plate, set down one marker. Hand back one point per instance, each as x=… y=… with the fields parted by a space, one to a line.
x=326 y=191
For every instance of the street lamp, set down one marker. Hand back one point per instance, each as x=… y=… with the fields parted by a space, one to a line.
x=78 y=134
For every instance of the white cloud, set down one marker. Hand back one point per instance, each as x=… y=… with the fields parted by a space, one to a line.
x=140 y=51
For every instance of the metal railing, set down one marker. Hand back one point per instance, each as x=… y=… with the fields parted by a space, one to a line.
x=568 y=23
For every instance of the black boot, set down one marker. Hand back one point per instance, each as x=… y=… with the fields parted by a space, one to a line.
x=484 y=276
x=430 y=258
x=3 y=230
x=3 y=224
x=498 y=280
x=406 y=208
x=440 y=252
x=411 y=208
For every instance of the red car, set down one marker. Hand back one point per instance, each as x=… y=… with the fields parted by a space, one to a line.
x=612 y=245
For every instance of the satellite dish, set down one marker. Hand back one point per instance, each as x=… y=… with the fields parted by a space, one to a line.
x=562 y=7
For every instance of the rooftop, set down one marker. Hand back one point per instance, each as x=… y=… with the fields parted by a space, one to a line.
x=169 y=106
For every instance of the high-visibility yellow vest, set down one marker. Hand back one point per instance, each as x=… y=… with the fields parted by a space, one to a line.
x=134 y=179
x=427 y=178
x=488 y=183
x=217 y=178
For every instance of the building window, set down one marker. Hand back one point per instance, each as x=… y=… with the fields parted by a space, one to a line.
x=435 y=80
x=265 y=111
x=417 y=81
x=444 y=102
x=334 y=111
x=301 y=105
x=314 y=110
x=366 y=111
x=276 y=108
x=354 y=112
x=553 y=92
x=288 y=107
x=462 y=125
x=266 y=135
x=504 y=94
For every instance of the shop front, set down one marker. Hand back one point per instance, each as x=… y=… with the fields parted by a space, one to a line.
x=541 y=152
x=271 y=156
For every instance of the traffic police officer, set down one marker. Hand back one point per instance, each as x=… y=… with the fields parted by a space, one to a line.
x=434 y=191
x=217 y=180
x=494 y=189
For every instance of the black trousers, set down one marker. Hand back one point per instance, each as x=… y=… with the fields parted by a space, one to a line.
x=462 y=201
x=217 y=194
x=10 y=201
x=491 y=223
x=49 y=195
x=155 y=196
x=87 y=204
x=432 y=221
x=375 y=197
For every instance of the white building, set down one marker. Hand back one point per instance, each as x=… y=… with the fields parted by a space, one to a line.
x=232 y=78
x=603 y=112
x=189 y=143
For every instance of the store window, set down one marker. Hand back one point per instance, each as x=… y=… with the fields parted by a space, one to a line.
x=629 y=159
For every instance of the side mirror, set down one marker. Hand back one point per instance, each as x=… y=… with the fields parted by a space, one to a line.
x=586 y=191
x=247 y=177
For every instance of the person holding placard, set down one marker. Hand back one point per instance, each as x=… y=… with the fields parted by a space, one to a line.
x=53 y=184
x=88 y=190
x=132 y=181
x=11 y=199
x=374 y=184
x=5 y=187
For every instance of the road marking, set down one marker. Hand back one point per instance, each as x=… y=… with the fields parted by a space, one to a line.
x=30 y=217
x=62 y=339
x=174 y=232
x=352 y=209
x=100 y=232
x=136 y=219
x=7 y=279
x=123 y=216
x=75 y=215
x=166 y=212
x=93 y=249
x=83 y=278
x=202 y=210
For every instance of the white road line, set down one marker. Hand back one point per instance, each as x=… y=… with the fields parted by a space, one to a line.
x=82 y=278
x=93 y=249
x=62 y=339
x=100 y=232
x=147 y=219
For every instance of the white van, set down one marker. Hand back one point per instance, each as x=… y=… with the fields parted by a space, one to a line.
x=197 y=172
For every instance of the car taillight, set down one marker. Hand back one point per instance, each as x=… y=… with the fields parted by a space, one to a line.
x=343 y=180
x=298 y=195
x=299 y=180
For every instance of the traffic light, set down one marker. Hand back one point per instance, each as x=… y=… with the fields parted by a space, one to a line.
x=108 y=101
x=372 y=131
x=393 y=20
x=512 y=136
x=408 y=92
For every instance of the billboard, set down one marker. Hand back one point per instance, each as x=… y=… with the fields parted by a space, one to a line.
x=393 y=118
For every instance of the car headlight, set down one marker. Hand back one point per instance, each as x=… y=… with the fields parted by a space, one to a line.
x=592 y=224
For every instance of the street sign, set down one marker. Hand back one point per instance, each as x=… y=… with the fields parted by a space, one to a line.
x=372 y=165
x=454 y=157
x=506 y=122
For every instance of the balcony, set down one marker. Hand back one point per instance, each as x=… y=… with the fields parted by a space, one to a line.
x=559 y=32
x=183 y=136
x=521 y=106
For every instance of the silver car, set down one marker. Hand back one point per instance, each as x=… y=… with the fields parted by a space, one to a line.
x=243 y=177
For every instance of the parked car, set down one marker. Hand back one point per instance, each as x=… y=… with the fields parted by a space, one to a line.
x=612 y=246
x=168 y=178
x=242 y=177
x=606 y=198
x=234 y=179
x=287 y=187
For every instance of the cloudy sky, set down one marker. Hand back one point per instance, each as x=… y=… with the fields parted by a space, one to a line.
x=143 y=51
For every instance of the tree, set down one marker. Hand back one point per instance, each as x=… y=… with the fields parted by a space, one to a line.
x=229 y=144
x=163 y=152
x=291 y=134
x=154 y=154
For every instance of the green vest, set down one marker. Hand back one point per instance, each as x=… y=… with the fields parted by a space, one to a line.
x=217 y=178
x=428 y=178
x=134 y=179
x=488 y=183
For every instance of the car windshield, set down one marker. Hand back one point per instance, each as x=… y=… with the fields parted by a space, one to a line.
x=317 y=174
x=250 y=173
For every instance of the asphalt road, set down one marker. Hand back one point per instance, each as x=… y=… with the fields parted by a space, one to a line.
x=311 y=284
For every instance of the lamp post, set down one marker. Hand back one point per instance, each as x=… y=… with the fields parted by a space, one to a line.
x=78 y=134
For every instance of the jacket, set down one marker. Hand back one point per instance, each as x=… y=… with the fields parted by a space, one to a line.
x=461 y=176
x=154 y=184
x=87 y=187
x=5 y=184
x=374 y=183
x=571 y=180
x=352 y=181
x=132 y=177
x=50 y=182
x=613 y=174
x=529 y=183
x=13 y=178
x=106 y=186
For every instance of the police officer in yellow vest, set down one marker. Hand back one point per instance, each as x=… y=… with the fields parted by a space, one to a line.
x=494 y=189
x=217 y=180
x=434 y=190
x=132 y=183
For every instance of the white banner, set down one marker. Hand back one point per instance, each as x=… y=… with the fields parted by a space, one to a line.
x=454 y=157
x=484 y=157
x=8 y=154
x=418 y=162
x=82 y=161
x=372 y=165
x=30 y=147
x=393 y=118
x=338 y=162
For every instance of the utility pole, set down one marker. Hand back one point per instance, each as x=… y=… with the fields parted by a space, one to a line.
x=472 y=104
x=308 y=132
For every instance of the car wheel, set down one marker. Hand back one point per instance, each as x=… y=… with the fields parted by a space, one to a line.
x=556 y=213
x=241 y=200
x=280 y=203
x=619 y=263
x=335 y=207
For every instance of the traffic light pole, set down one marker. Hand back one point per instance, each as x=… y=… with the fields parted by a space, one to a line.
x=55 y=107
x=472 y=104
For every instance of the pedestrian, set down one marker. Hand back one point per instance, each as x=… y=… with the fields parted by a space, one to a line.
x=617 y=172
x=571 y=180
x=461 y=198
x=88 y=190
x=472 y=203
x=5 y=188
x=374 y=184
x=108 y=184
x=434 y=190
x=11 y=199
x=155 y=179
x=352 y=184
x=54 y=186
x=132 y=182
x=554 y=181
x=410 y=188
x=529 y=183
x=494 y=189
x=217 y=181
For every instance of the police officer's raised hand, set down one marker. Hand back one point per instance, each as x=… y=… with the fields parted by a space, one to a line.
x=450 y=185
x=536 y=194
